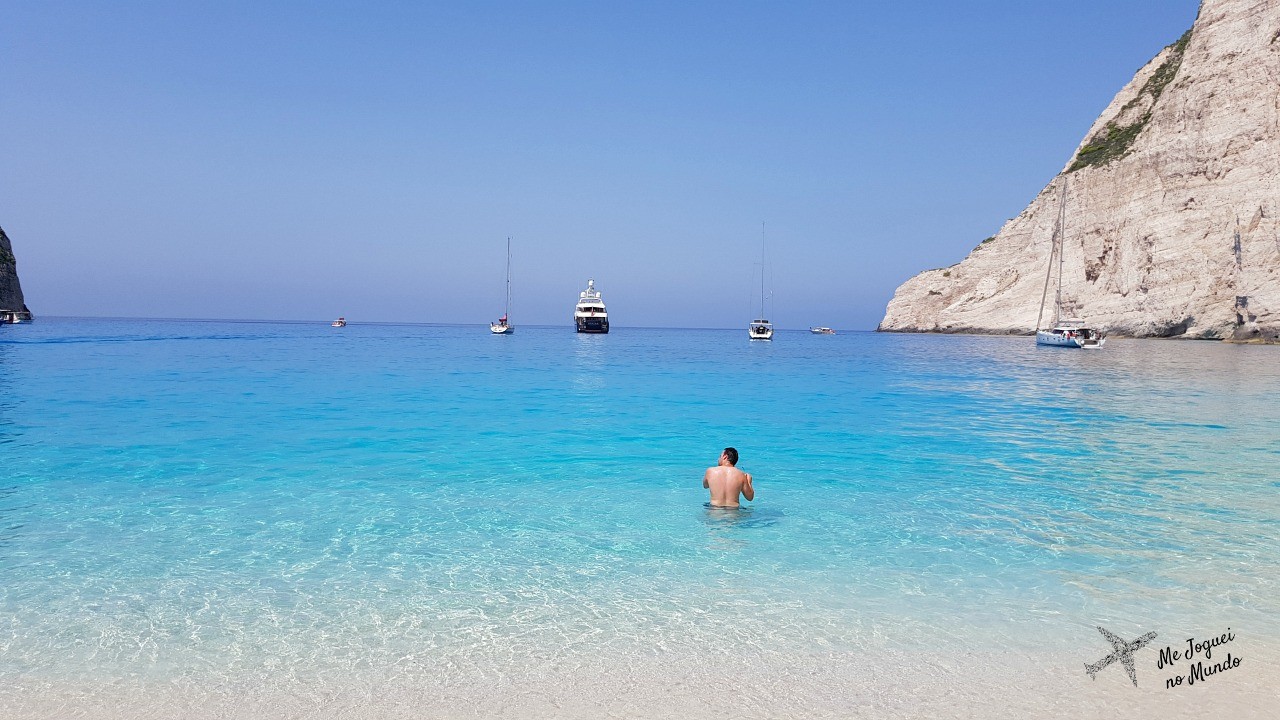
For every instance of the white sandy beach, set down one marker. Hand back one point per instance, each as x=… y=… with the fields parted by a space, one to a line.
x=886 y=685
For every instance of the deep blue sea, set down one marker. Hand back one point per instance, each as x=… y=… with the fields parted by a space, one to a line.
x=213 y=501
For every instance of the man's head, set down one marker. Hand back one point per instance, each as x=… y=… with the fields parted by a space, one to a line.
x=730 y=456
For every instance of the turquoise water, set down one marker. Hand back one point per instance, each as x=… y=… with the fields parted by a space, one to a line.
x=213 y=501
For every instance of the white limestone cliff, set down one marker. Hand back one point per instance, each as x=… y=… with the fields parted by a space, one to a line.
x=1171 y=211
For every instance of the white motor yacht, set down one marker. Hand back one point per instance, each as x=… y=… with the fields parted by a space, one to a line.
x=590 y=316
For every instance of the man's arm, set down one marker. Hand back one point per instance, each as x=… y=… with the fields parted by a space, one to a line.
x=706 y=478
x=748 y=492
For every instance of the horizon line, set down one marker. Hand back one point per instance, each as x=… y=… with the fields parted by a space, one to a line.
x=390 y=322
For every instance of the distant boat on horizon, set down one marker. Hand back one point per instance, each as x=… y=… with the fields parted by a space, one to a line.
x=761 y=328
x=590 y=315
x=15 y=317
x=504 y=326
x=821 y=330
x=340 y=322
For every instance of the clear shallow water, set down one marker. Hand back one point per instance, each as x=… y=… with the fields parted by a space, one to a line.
x=215 y=501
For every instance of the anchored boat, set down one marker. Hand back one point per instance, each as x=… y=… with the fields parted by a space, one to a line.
x=1070 y=332
x=1065 y=332
x=504 y=326
x=760 y=328
x=590 y=315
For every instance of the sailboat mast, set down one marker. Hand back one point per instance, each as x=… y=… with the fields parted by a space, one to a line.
x=762 y=317
x=1048 y=268
x=1062 y=232
x=507 y=309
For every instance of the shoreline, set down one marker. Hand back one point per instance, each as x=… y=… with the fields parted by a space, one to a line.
x=977 y=332
x=884 y=684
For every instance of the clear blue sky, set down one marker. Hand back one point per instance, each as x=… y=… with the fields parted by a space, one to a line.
x=305 y=160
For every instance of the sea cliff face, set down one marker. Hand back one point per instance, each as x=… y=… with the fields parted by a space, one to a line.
x=10 y=291
x=1170 y=223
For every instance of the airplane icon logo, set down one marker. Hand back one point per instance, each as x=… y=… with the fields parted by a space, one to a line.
x=1120 y=650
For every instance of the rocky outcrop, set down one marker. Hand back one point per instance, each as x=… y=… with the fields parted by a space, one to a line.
x=1170 y=222
x=10 y=291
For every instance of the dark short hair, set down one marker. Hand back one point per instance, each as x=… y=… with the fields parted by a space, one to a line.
x=732 y=455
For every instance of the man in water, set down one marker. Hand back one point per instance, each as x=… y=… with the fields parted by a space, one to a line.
x=726 y=482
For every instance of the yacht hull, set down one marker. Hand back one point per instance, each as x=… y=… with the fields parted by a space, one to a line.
x=1052 y=339
x=1049 y=339
x=589 y=315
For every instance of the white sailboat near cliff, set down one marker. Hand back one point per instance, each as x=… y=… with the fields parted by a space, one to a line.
x=1069 y=331
x=760 y=328
x=503 y=326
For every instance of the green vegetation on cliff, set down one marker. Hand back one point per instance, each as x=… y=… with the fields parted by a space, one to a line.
x=1114 y=141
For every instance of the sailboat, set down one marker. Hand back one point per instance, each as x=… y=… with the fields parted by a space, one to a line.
x=503 y=326
x=1065 y=332
x=760 y=328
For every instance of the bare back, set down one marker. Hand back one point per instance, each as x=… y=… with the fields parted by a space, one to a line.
x=725 y=483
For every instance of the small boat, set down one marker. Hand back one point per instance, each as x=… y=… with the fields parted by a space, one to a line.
x=760 y=328
x=822 y=330
x=15 y=317
x=504 y=326
x=1070 y=332
x=590 y=315
x=340 y=322
x=1064 y=332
